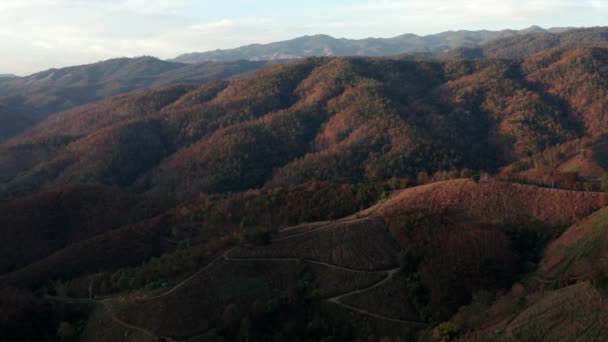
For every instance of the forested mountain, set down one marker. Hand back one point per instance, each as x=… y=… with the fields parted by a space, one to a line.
x=331 y=119
x=26 y=100
x=322 y=199
x=323 y=45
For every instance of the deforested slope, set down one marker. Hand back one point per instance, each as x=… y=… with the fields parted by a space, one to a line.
x=495 y=202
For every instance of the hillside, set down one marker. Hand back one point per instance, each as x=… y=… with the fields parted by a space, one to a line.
x=485 y=202
x=27 y=100
x=322 y=199
x=576 y=312
x=564 y=298
x=106 y=220
x=41 y=224
x=323 y=45
x=579 y=252
x=579 y=164
x=331 y=119
x=13 y=120
x=350 y=269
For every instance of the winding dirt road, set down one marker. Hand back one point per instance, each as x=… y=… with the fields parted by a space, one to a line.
x=337 y=300
x=390 y=274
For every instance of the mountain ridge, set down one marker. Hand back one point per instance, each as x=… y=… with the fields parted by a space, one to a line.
x=325 y=45
x=25 y=101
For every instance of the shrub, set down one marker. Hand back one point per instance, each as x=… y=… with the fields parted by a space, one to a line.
x=446 y=331
x=604 y=182
x=422 y=178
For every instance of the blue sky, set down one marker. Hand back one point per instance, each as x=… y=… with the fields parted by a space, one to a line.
x=39 y=34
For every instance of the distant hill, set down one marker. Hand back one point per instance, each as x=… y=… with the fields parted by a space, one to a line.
x=4 y=76
x=26 y=100
x=323 y=45
x=519 y=46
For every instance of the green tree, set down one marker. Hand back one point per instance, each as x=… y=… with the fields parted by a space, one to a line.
x=422 y=178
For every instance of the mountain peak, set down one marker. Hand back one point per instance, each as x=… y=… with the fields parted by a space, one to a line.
x=533 y=29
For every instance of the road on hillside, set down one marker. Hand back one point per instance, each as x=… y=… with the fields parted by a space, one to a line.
x=337 y=300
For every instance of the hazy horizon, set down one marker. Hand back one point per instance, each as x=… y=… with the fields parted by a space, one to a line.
x=83 y=32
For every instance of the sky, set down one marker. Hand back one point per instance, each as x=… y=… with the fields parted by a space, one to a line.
x=39 y=34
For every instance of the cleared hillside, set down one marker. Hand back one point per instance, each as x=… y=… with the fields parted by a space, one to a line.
x=580 y=252
x=495 y=202
x=349 y=268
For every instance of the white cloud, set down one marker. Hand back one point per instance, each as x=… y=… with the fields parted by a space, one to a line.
x=431 y=16
x=233 y=24
x=220 y=24
x=151 y=6
x=599 y=4
x=470 y=9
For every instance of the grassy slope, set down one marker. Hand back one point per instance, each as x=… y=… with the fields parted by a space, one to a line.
x=580 y=251
x=496 y=202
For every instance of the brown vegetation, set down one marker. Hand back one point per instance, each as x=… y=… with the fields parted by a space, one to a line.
x=346 y=120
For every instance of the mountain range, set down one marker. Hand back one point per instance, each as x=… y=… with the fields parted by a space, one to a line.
x=323 y=45
x=443 y=196
x=24 y=101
